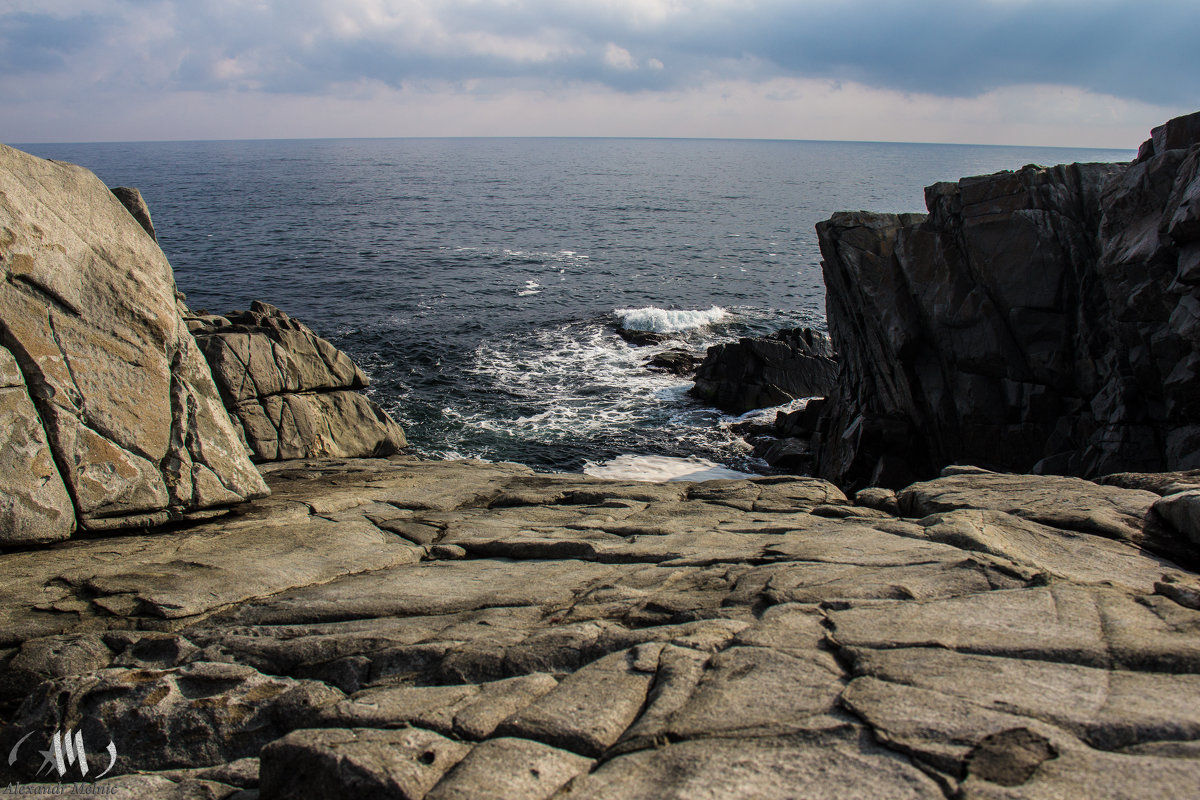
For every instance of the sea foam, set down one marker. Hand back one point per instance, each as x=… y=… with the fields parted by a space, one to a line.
x=662 y=320
x=661 y=468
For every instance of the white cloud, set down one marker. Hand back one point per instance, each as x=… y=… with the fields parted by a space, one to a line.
x=1012 y=71
x=618 y=57
x=778 y=109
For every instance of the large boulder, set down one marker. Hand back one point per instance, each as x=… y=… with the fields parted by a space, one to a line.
x=135 y=430
x=766 y=371
x=1045 y=319
x=293 y=394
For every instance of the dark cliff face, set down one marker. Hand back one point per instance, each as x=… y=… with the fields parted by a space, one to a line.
x=1046 y=319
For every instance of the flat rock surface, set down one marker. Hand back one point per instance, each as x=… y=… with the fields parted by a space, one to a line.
x=398 y=628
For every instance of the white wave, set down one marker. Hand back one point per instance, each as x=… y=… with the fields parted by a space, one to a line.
x=531 y=287
x=572 y=381
x=766 y=416
x=661 y=468
x=662 y=320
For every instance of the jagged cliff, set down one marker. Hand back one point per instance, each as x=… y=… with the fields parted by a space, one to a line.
x=1046 y=319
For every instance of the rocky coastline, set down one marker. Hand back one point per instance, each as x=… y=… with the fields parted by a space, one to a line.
x=226 y=579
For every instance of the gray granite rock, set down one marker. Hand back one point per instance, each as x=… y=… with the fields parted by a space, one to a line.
x=614 y=639
x=293 y=393
x=128 y=406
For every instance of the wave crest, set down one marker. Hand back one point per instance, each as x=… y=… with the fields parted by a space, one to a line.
x=662 y=320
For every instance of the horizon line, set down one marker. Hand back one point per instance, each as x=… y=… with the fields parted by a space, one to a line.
x=575 y=138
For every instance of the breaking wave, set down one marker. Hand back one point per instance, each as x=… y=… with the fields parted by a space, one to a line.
x=663 y=320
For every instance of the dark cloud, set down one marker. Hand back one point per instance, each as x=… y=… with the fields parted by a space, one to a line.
x=33 y=43
x=1145 y=52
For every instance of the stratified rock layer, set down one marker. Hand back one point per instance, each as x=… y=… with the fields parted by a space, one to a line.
x=1046 y=319
x=397 y=628
x=292 y=392
x=133 y=422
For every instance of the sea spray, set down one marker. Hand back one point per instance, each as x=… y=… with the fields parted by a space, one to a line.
x=663 y=320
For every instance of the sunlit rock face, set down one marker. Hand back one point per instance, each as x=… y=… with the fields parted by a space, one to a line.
x=131 y=425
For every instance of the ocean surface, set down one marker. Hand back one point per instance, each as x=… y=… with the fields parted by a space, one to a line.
x=480 y=282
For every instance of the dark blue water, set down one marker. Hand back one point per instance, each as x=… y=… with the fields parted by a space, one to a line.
x=478 y=280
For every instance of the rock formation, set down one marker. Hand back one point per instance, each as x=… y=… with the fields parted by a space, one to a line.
x=394 y=628
x=398 y=628
x=105 y=395
x=766 y=371
x=135 y=204
x=1046 y=319
x=292 y=393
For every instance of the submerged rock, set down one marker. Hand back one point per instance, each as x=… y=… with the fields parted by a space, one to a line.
x=768 y=371
x=675 y=361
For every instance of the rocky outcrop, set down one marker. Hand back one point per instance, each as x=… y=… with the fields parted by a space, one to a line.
x=398 y=628
x=1046 y=319
x=128 y=421
x=135 y=204
x=292 y=393
x=767 y=371
x=675 y=361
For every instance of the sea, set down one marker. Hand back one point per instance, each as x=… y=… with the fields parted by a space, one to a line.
x=480 y=282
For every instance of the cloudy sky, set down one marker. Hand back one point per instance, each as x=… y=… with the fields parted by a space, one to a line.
x=1051 y=72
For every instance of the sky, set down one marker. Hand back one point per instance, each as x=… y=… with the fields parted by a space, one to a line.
x=1079 y=73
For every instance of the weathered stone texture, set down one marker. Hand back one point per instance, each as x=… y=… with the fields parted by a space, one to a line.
x=292 y=392
x=725 y=639
x=87 y=308
x=34 y=504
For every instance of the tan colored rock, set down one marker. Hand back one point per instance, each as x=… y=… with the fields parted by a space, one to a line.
x=832 y=767
x=510 y=769
x=1182 y=511
x=1067 y=503
x=88 y=309
x=336 y=424
x=293 y=393
x=589 y=711
x=360 y=762
x=34 y=504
